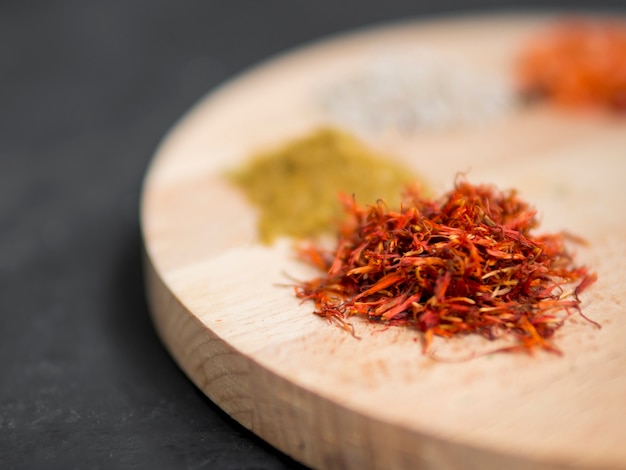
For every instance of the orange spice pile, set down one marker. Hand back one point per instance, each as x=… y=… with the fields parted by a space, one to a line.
x=577 y=63
x=467 y=263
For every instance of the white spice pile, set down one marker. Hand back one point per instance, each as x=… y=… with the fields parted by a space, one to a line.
x=423 y=91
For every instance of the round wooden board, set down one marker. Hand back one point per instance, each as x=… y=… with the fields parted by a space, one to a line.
x=312 y=390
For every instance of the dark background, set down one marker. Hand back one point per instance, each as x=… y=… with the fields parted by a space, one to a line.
x=87 y=90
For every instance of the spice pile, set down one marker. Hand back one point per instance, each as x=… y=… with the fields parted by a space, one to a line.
x=295 y=186
x=467 y=263
x=577 y=63
x=424 y=91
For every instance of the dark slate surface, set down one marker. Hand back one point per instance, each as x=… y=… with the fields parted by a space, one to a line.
x=87 y=90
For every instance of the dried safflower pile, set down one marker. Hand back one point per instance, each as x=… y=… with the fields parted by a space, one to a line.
x=467 y=263
x=577 y=63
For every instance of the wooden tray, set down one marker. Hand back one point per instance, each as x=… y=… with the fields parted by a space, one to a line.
x=312 y=390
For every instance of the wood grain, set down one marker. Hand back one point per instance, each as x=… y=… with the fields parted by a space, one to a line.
x=220 y=304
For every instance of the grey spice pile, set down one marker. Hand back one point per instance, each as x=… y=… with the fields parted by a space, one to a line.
x=423 y=91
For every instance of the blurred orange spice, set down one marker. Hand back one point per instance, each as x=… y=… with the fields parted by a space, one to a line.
x=577 y=63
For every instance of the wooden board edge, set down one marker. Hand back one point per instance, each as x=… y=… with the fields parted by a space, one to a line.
x=286 y=415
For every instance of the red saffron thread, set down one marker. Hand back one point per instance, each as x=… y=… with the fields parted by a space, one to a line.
x=467 y=263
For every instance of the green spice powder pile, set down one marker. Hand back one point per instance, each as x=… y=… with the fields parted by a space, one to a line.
x=296 y=186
